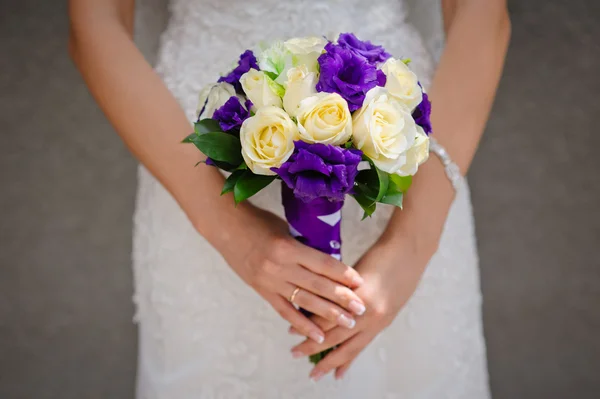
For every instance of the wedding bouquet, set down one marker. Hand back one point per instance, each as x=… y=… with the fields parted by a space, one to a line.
x=329 y=118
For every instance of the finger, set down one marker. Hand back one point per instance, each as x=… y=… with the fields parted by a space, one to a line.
x=340 y=372
x=343 y=354
x=324 y=287
x=326 y=265
x=300 y=322
x=323 y=323
x=332 y=338
x=293 y=331
x=324 y=308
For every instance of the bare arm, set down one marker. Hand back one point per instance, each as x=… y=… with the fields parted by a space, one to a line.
x=152 y=124
x=145 y=114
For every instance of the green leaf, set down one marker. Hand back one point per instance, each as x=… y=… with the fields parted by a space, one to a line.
x=401 y=183
x=367 y=182
x=249 y=184
x=219 y=147
x=271 y=75
x=230 y=181
x=373 y=182
x=384 y=182
x=407 y=61
x=366 y=203
x=202 y=127
x=224 y=166
x=396 y=189
x=393 y=199
x=374 y=185
x=242 y=166
x=189 y=139
x=207 y=126
x=275 y=87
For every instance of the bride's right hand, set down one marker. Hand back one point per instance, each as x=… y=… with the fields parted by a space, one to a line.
x=275 y=264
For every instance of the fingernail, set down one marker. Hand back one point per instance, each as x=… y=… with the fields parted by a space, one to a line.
x=297 y=354
x=357 y=280
x=357 y=307
x=318 y=338
x=346 y=321
x=316 y=375
x=340 y=375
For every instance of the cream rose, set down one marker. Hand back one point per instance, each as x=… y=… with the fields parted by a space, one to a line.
x=402 y=83
x=384 y=130
x=259 y=89
x=306 y=50
x=324 y=118
x=213 y=97
x=267 y=139
x=300 y=85
x=415 y=155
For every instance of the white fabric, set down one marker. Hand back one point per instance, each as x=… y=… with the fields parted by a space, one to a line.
x=203 y=333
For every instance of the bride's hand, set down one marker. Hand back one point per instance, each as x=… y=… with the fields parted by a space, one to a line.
x=275 y=264
x=391 y=273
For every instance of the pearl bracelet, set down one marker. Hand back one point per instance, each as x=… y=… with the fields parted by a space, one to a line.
x=451 y=168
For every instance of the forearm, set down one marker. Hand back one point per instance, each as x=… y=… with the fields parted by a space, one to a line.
x=150 y=122
x=466 y=80
x=462 y=94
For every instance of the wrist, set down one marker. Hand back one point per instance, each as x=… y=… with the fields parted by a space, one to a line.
x=226 y=226
x=413 y=244
x=426 y=204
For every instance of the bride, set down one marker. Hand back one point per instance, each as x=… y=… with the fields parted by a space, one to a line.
x=214 y=284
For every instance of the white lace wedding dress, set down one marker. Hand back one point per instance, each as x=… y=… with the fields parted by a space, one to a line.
x=203 y=334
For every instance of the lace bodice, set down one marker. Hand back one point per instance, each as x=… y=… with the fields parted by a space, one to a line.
x=206 y=335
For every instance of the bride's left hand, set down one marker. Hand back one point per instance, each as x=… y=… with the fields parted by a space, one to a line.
x=391 y=272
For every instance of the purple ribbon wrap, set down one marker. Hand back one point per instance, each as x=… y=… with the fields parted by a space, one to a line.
x=316 y=223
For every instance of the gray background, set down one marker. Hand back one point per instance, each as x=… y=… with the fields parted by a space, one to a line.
x=67 y=193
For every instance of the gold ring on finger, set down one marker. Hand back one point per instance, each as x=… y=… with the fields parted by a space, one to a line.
x=293 y=296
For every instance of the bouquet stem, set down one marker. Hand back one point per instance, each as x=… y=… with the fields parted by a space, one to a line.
x=316 y=224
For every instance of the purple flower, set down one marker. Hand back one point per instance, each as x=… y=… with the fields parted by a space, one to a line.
x=374 y=54
x=320 y=171
x=381 y=78
x=232 y=114
x=346 y=73
x=247 y=61
x=422 y=114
